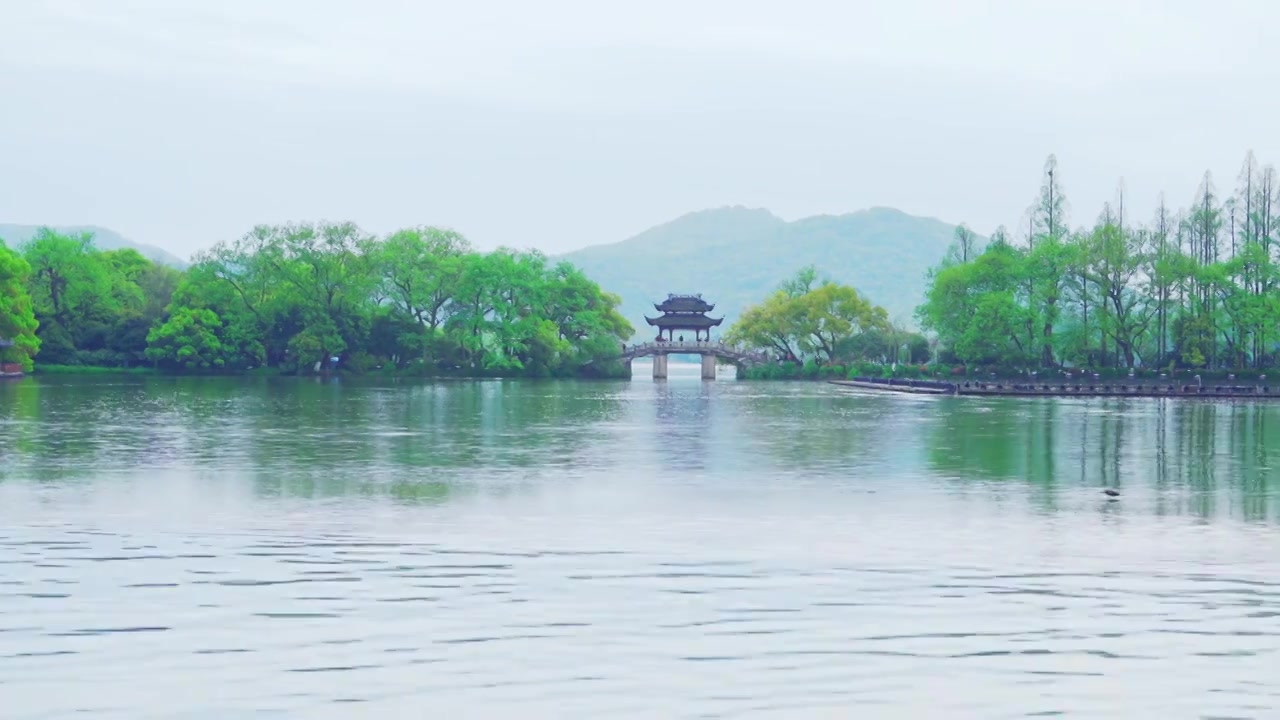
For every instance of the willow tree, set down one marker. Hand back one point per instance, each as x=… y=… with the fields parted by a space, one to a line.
x=807 y=319
x=18 y=341
x=420 y=269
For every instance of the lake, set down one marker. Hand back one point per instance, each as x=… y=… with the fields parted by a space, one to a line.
x=216 y=548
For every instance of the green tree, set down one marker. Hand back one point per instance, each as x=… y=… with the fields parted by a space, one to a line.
x=807 y=319
x=18 y=325
x=1121 y=269
x=92 y=306
x=420 y=269
x=70 y=286
x=1196 y=288
x=586 y=319
x=978 y=309
x=1047 y=266
x=767 y=326
x=830 y=314
x=295 y=295
x=188 y=340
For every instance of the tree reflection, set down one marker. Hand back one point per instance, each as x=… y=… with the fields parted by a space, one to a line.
x=442 y=433
x=1222 y=457
x=996 y=440
x=19 y=427
x=1203 y=459
x=426 y=441
x=302 y=437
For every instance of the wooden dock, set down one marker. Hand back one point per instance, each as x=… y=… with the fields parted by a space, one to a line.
x=1092 y=388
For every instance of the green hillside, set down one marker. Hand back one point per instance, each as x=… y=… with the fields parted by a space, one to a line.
x=103 y=239
x=735 y=256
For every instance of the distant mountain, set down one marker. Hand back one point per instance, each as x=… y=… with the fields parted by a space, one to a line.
x=103 y=239
x=736 y=256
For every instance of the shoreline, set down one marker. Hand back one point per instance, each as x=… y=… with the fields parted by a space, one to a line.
x=92 y=371
x=1130 y=389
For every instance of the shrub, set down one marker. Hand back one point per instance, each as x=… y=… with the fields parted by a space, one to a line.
x=832 y=371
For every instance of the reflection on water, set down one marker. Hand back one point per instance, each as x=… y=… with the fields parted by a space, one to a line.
x=220 y=548
x=1197 y=458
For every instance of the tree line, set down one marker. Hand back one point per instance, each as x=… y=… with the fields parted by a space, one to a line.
x=1189 y=288
x=813 y=326
x=292 y=298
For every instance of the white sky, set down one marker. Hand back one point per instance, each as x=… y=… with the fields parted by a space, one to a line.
x=558 y=124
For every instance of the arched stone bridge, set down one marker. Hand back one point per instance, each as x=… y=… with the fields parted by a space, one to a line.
x=710 y=352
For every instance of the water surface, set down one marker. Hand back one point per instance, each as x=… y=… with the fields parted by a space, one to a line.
x=213 y=548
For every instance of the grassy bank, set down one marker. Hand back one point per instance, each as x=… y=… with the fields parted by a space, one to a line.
x=413 y=371
x=41 y=369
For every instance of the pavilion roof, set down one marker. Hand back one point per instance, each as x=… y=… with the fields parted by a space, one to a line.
x=684 y=322
x=684 y=304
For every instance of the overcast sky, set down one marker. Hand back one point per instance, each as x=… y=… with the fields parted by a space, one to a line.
x=558 y=124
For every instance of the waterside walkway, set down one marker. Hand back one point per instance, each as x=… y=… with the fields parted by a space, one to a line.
x=1095 y=388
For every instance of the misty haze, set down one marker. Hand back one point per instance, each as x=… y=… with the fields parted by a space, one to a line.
x=717 y=359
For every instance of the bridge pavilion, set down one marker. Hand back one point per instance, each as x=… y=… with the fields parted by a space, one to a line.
x=687 y=313
x=684 y=312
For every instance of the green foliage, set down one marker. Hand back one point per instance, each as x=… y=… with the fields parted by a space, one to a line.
x=1196 y=290
x=188 y=340
x=419 y=301
x=291 y=297
x=49 y=369
x=18 y=324
x=816 y=326
x=420 y=269
x=94 y=307
x=772 y=371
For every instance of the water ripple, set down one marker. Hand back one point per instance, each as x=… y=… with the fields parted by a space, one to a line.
x=605 y=550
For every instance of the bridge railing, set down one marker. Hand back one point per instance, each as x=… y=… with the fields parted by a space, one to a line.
x=698 y=346
x=685 y=345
